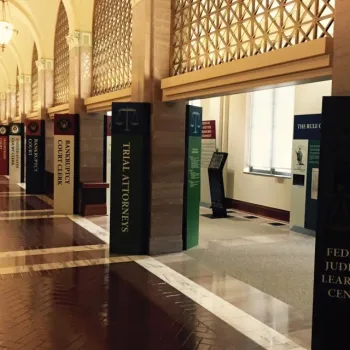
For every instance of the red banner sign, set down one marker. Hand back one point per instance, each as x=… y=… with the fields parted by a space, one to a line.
x=4 y=161
x=208 y=129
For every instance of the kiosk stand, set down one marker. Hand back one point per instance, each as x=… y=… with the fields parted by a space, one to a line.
x=216 y=182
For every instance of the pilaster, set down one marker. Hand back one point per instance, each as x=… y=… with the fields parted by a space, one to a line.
x=11 y=102
x=3 y=98
x=21 y=79
x=27 y=92
x=45 y=85
x=80 y=66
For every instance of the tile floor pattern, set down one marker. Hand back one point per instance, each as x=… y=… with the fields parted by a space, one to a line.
x=60 y=289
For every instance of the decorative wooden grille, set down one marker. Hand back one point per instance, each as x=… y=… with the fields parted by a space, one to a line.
x=211 y=32
x=61 y=58
x=111 y=56
x=17 y=93
x=34 y=79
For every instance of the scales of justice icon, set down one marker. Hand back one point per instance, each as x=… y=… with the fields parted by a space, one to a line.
x=195 y=122
x=127 y=117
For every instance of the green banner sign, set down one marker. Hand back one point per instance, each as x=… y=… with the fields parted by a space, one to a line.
x=192 y=183
x=129 y=215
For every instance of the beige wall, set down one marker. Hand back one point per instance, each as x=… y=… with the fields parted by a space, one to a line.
x=263 y=190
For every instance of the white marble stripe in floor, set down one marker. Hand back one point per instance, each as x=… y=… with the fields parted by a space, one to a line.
x=67 y=264
x=22 y=184
x=26 y=211
x=260 y=333
x=36 y=217
x=12 y=192
x=96 y=230
x=16 y=194
x=57 y=250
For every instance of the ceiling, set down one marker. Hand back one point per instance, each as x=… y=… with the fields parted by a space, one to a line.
x=36 y=20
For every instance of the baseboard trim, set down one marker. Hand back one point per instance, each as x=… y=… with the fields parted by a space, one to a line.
x=303 y=230
x=272 y=213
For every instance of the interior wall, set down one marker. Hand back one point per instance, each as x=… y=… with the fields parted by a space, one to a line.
x=268 y=191
x=91 y=147
x=49 y=145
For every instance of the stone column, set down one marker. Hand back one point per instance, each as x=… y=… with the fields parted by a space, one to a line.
x=332 y=255
x=91 y=126
x=341 y=54
x=11 y=102
x=80 y=54
x=27 y=94
x=21 y=97
x=3 y=99
x=45 y=85
x=152 y=31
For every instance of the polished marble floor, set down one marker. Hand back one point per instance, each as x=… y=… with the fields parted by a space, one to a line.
x=60 y=288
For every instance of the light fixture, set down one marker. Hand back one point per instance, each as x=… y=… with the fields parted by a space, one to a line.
x=6 y=28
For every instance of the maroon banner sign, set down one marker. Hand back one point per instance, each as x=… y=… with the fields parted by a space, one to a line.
x=4 y=150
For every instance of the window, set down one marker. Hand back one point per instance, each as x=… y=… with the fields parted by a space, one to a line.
x=271 y=131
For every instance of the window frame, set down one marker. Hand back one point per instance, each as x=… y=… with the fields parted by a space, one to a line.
x=248 y=169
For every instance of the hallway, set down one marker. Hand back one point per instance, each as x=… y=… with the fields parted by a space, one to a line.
x=56 y=272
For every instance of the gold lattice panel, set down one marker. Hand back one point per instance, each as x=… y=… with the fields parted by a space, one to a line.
x=17 y=93
x=61 y=58
x=112 y=31
x=211 y=32
x=34 y=79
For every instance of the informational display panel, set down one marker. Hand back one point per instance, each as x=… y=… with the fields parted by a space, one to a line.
x=332 y=258
x=4 y=150
x=66 y=164
x=130 y=178
x=107 y=150
x=35 y=156
x=216 y=181
x=305 y=164
x=192 y=181
x=16 y=152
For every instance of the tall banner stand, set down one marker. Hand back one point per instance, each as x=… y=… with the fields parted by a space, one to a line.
x=107 y=149
x=192 y=180
x=4 y=150
x=305 y=170
x=332 y=258
x=16 y=153
x=130 y=178
x=66 y=164
x=35 y=156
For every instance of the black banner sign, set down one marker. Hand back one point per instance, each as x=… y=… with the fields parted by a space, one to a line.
x=129 y=218
x=332 y=259
x=35 y=156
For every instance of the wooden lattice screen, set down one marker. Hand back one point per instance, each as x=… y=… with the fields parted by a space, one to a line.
x=17 y=93
x=34 y=89
x=111 y=56
x=61 y=58
x=211 y=32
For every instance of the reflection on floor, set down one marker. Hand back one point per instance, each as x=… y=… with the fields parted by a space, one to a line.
x=60 y=289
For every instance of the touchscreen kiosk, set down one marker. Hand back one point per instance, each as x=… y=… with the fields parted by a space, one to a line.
x=216 y=182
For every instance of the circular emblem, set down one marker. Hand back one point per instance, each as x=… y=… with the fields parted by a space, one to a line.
x=14 y=129
x=2 y=130
x=63 y=124
x=33 y=127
